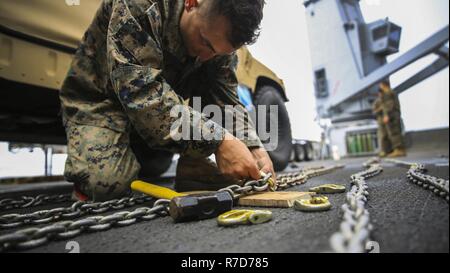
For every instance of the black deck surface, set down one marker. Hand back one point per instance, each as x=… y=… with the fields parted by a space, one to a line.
x=406 y=218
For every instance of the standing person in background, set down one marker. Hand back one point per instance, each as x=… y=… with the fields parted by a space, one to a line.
x=387 y=111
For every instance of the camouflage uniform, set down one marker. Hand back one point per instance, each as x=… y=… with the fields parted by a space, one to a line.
x=130 y=70
x=389 y=135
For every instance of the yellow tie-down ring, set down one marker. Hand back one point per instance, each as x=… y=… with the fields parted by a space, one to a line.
x=244 y=217
x=328 y=189
x=316 y=203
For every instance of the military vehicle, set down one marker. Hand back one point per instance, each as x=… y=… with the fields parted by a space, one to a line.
x=37 y=42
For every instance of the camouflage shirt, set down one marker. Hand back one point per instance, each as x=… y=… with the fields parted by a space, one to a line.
x=132 y=68
x=387 y=105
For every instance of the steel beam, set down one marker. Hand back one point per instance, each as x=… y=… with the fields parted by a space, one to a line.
x=430 y=45
x=427 y=72
x=443 y=52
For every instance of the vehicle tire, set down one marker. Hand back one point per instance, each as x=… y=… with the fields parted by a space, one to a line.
x=309 y=153
x=294 y=156
x=268 y=95
x=299 y=152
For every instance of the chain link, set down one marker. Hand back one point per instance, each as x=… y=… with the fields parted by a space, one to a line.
x=35 y=237
x=416 y=175
x=354 y=233
x=78 y=209
x=287 y=180
x=284 y=181
x=250 y=187
x=29 y=201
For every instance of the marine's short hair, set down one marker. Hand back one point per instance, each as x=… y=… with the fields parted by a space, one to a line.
x=245 y=17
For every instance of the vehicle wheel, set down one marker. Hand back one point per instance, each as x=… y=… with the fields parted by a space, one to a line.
x=300 y=152
x=309 y=153
x=268 y=95
x=294 y=156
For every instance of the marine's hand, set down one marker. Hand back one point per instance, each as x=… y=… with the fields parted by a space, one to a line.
x=235 y=159
x=264 y=162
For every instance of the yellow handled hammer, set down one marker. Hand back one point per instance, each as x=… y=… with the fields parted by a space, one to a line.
x=185 y=207
x=154 y=190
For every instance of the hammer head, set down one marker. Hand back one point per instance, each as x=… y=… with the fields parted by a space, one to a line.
x=200 y=206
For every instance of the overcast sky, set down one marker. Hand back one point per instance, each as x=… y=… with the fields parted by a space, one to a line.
x=283 y=46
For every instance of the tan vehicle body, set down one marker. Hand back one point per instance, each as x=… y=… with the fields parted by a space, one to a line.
x=37 y=41
x=54 y=22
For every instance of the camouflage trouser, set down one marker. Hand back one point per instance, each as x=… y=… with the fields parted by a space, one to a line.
x=390 y=135
x=100 y=161
x=102 y=164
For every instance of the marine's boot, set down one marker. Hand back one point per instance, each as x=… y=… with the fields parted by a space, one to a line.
x=200 y=175
x=77 y=195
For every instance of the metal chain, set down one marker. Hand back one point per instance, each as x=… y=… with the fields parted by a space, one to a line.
x=416 y=175
x=287 y=180
x=249 y=188
x=284 y=181
x=354 y=233
x=81 y=208
x=35 y=237
x=78 y=209
x=29 y=201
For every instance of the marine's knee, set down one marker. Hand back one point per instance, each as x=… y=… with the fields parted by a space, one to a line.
x=101 y=186
x=112 y=185
x=100 y=162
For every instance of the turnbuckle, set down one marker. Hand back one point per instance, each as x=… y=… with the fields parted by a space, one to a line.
x=244 y=217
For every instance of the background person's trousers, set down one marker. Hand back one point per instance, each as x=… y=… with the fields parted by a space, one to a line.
x=390 y=135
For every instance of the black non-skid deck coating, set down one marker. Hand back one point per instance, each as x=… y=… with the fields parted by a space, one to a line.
x=406 y=218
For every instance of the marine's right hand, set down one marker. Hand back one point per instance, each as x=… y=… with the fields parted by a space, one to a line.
x=235 y=159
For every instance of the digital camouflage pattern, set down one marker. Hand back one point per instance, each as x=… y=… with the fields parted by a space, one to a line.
x=100 y=161
x=130 y=70
x=389 y=135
